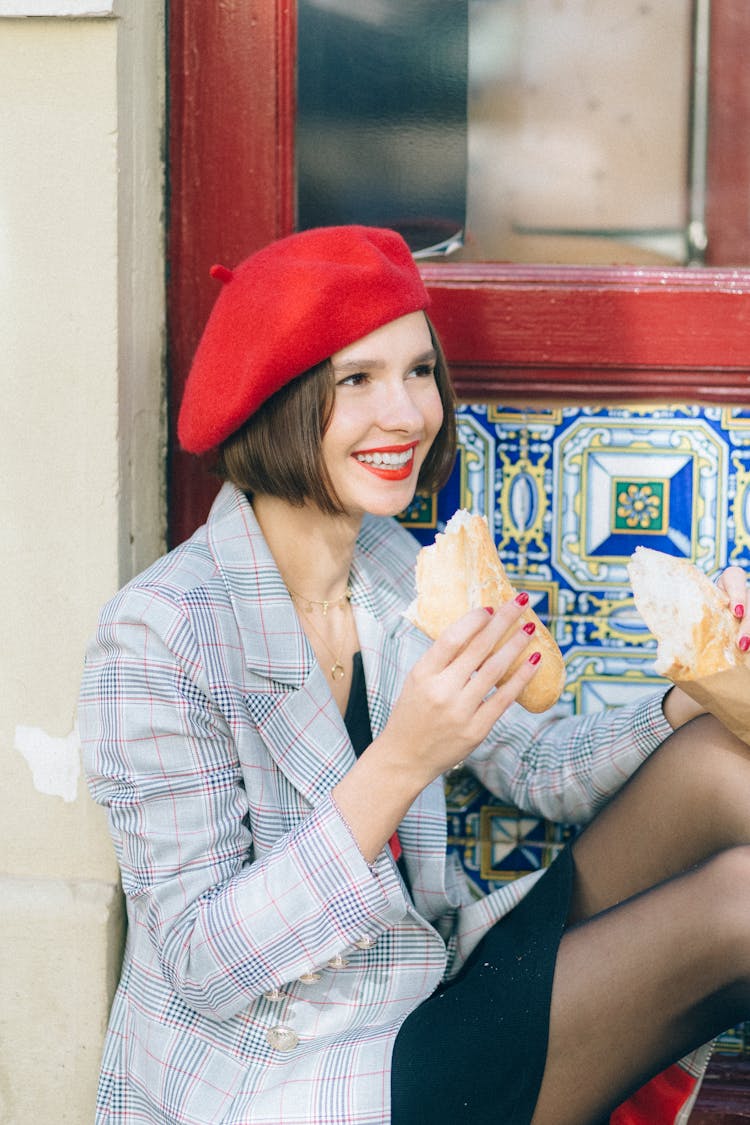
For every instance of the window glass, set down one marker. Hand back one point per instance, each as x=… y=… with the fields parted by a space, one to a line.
x=581 y=131
x=559 y=131
x=382 y=116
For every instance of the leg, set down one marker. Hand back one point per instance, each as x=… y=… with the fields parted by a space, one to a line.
x=639 y=985
x=643 y=983
x=687 y=802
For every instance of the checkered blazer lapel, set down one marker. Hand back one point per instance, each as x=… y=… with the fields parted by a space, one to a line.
x=287 y=693
x=390 y=645
x=276 y=653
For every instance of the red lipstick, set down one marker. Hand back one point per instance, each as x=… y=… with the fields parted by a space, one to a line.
x=388 y=462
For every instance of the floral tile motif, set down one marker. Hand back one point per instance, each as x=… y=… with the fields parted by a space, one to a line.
x=569 y=492
x=619 y=484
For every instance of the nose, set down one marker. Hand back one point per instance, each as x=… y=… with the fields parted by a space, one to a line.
x=398 y=408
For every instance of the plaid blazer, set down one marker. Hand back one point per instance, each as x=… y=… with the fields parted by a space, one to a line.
x=268 y=967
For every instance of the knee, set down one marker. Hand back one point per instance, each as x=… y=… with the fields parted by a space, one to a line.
x=704 y=758
x=727 y=898
x=708 y=734
x=711 y=732
x=731 y=867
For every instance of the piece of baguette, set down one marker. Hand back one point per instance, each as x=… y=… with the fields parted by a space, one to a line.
x=460 y=571
x=695 y=629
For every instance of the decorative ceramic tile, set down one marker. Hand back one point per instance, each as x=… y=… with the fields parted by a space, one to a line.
x=569 y=492
x=495 y=842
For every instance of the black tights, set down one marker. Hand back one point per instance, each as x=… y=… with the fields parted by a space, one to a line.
x=656 y=957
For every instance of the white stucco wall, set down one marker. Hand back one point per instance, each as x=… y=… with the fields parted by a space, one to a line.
x=81 y=465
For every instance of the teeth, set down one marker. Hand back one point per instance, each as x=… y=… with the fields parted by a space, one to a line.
x=394 y=459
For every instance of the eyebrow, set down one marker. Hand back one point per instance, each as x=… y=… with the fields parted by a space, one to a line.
x=368 y=364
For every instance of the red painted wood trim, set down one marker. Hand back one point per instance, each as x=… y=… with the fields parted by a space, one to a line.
x=286 y=115
x=231 y=176
x=623 y=319
x=728 y=194
x=519 y=386
x=579 y=333
x=510 y=331
x=724 y=1097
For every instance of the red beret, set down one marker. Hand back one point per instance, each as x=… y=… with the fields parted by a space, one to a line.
x=285 y=309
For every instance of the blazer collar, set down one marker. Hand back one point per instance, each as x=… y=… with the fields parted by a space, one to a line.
x=274 y=644
x=288 y=694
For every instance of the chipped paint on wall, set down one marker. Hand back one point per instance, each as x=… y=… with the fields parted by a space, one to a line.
x=55 y=763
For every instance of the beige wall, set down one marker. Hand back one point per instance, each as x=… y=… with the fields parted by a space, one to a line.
x=81 y=465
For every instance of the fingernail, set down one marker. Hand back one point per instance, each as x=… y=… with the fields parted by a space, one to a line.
x=535 y=658
x=529 y=627
x=744 y=643
x=739 y=610
x=489 y=609
x=522 y=599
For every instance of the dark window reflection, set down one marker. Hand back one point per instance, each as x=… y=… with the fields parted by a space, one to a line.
x=381 y=120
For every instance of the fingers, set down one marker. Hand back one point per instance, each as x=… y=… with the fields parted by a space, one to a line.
x=478 y=650
x=468 y=642
x=497 y=703
x=733 y=581
x=734 y=584
x=452 y=686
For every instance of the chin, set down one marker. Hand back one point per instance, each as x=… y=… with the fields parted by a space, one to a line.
x=391 y=504
x=367 y=494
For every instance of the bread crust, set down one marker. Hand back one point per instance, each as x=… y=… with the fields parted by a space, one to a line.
x=695 y=629
x=460 y=571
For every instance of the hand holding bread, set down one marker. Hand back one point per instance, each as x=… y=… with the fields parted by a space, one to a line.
x=696 y=630
x=460 y=571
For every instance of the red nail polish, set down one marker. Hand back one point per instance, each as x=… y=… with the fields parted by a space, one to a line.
x=522 y=599
x=535 y=658
x=744 y=643
x=488 y=609
x=529 y=627
x=739 y=610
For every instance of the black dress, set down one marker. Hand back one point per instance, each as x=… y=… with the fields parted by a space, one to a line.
x=474 y=1052
x=357 y=723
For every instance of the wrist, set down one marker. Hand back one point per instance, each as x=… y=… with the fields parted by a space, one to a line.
x=375 y=795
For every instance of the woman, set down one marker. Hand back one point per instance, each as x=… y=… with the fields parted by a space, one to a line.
x=269 y=735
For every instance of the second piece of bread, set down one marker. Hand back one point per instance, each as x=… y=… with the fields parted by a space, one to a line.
x=695 y=629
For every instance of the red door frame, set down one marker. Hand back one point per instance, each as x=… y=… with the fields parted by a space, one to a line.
x=510 y=332
x=231 y=188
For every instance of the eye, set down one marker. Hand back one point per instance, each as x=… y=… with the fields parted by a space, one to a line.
x=423 y=370
x=355 y=380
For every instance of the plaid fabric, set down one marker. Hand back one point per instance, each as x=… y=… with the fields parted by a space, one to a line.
x=211 y=737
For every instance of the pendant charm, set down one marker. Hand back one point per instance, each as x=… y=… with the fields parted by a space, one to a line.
x=337 y=670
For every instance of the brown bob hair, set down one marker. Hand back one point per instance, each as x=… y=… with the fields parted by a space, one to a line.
x=279 y=450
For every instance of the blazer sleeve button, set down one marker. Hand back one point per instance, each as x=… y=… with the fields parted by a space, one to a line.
x=365 y=942
x=282 y=1038
x=338 y=962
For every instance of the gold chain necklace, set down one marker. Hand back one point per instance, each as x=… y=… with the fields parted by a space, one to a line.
x=307 y=605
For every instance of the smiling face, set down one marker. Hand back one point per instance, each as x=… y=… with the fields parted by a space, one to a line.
x=386 y=414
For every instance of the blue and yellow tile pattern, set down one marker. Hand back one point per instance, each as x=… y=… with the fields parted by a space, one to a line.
x=569 y=492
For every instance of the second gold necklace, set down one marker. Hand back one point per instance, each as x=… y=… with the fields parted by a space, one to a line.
x=337 y=670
